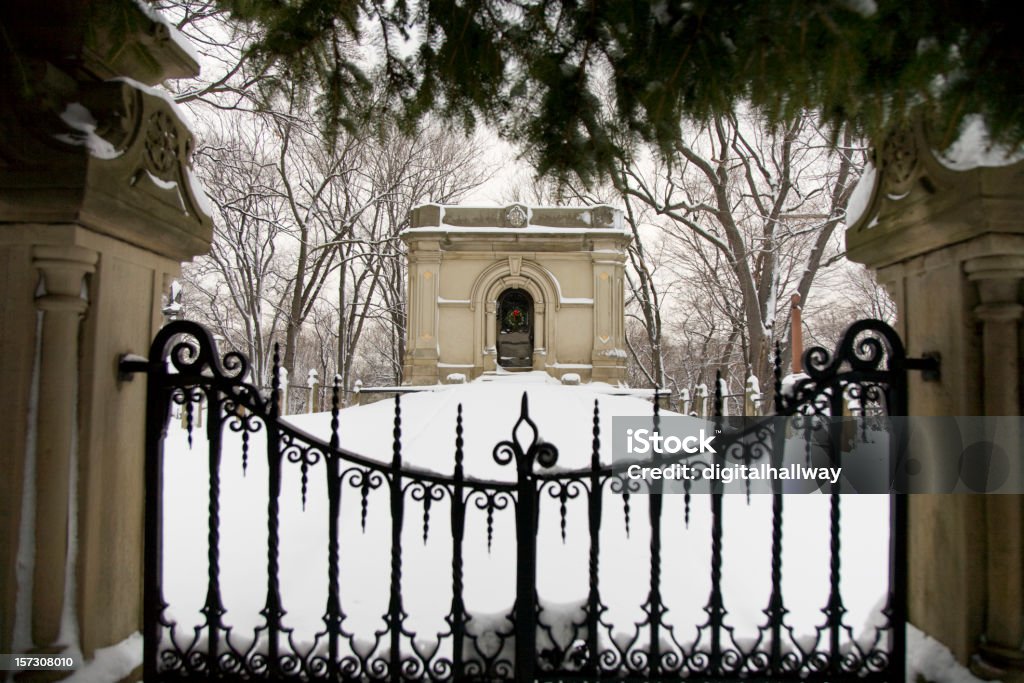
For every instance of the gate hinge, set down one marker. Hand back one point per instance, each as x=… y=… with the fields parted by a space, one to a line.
x=128 y=364
x=929 y=364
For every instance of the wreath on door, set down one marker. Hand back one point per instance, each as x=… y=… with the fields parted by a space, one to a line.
x=515 y=319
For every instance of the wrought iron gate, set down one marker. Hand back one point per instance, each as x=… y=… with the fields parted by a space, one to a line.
x=184 y=368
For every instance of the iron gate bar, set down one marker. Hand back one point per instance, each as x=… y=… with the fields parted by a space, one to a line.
x=869 y=359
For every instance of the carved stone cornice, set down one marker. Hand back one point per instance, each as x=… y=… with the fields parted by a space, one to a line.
x=87 y=141
x=96 y=40
x=129 y=178
x=919 y=204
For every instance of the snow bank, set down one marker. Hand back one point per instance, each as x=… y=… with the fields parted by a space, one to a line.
x=933 y=661
x=112 y=663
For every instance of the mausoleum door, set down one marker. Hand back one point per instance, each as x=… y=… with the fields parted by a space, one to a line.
x=515 y=329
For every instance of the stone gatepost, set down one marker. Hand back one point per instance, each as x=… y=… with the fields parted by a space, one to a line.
x=97 y=210
x=944 y=234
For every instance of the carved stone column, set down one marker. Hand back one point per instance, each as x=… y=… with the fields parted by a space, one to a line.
x=540 y=353
x=63 y=270
x=998 y=280
x=490 y=337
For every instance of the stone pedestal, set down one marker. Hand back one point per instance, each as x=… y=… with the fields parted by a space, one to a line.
x=97 y=211
x=947 y=241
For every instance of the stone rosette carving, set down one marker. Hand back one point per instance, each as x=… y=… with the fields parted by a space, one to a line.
x=899 y=161
x=516 y=216
x=603 y=216
x=162 y=145
x=919 y=201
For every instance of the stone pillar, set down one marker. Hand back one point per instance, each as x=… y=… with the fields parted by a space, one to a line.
x=98 y=209
x=540 y=353
x=609 y=356
x=284 y=407
x=998 y=280
x=684 y=401
x=313 y=405
x=946 y=239
x=63 y=270
x=490 y=336
x=421 y=327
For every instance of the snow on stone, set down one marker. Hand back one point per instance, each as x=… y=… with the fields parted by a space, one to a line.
x=861 y=195
x=25 y=566
x=789 y=382
x=199 y=193
x=865 y=8
x=175 y=35
x=532 y=229
x=69 y=632
x=576 y=300
x=111 y=664
x=930 y=659
x=974 y=148
x=81 y=120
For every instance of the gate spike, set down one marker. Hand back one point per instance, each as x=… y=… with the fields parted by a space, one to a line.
x=426 y=513
x=686 y=502
x=188 y=415
x=334 y=414
x=625 y=509
x=305 y=481
x=718 y=393
x=490 y=524
x=364 y=491
x=777 y=373
x=245 y=449
x=275 y=382
x=563 y=497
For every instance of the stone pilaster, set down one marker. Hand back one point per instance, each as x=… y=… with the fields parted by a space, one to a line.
x=609 y=356
x=998 y=281
x=61 y=301
x=422 y=334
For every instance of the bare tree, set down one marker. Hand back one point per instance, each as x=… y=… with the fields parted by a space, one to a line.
x=749 y=213
x=238 y=284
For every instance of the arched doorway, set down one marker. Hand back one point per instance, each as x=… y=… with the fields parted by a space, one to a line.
x=515 y=329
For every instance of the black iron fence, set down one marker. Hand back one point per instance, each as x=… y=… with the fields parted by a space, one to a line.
x=530 y=642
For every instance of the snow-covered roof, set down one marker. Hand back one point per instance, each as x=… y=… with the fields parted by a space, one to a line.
x=551 y=220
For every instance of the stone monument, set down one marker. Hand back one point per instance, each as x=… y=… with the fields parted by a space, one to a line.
x=516 y=288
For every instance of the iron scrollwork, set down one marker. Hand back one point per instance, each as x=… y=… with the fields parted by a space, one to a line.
x=531 y=641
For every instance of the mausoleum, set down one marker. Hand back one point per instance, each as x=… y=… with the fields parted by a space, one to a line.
x=513 y=289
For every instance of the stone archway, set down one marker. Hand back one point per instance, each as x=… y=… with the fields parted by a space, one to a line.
x=515 y=329
x=543 y=290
